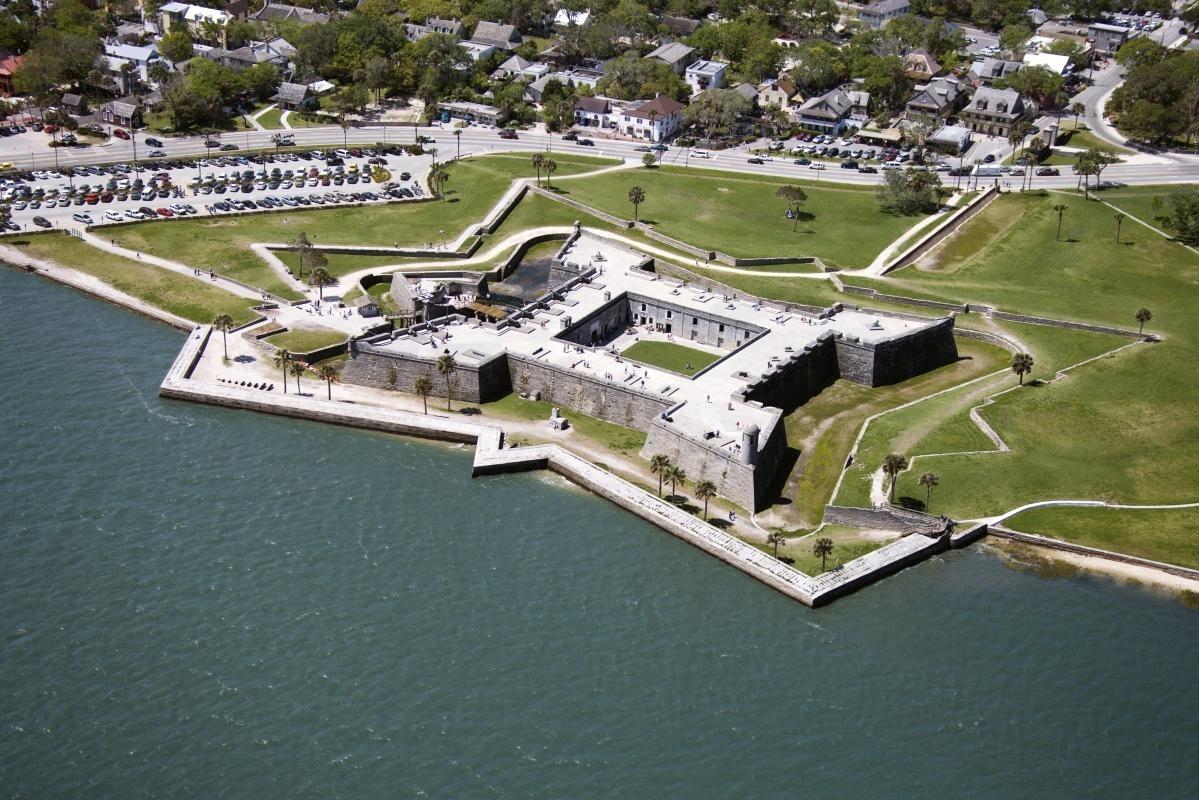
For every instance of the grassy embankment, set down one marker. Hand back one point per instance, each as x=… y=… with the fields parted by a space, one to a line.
x=848 y=544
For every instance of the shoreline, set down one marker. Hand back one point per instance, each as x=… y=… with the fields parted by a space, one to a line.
x=1120 y=572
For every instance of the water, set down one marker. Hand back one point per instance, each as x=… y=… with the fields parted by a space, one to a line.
x=206 y=603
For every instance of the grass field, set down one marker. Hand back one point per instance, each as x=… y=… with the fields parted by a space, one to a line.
x=222 y=243
x=848 y=544
x=303 y=340
x=1123 y=428
x=1083 y=137
x=670 y=356
x=196 y=300
x=271 y=120
x=1167 y=535
x=614 y=437
x=740 y=214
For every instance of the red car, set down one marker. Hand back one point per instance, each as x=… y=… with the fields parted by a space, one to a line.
x=120 y=133
x=50 y=129
x=165 y=212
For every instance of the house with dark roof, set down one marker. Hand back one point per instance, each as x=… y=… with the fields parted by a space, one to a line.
x=592 y=112
x=826 y=113
x=934 y=102
x=498 y=35
x=125 y=113
x=251 y=54
x=74 y=104
x=879 y=14
x=680 y=26
x=919 y=65
x=294 y=96
x=675 y=55
x=655 y=120
x=995 y=111
x=281 y=12
x=446 y=27
x=989 y=70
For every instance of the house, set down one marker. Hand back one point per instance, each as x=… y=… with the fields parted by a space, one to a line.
x=995 y=111
x=1058 y=65
x=879 y=14
x=675 y=55
x=477 y=50
x=748 y=91
x=294 y=96
x=472 y=112
x=859 y=106
x=935 y=102
x=781 y=93
x=655 y=120
x=365 y=305
x=280 y=12
x=8 y=67
x=253 y=53
x=564 y=18
x=517 y=67
x=446 y=27
x=989 y=70
x=499 y=36
x=125 y=113
x=592 y=112
x=826 y=113
x=950 y=139
x=74 y=104
x=127 y=64
x=702 y=75
x=206 y=25
x=680 y=26
x=1107 y=38
x=919 y=65
x=1036 y=17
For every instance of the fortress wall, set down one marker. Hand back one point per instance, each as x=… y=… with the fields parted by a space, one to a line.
x=585 y=394
x=712 y=329
x=792 y=383
x=897 y=359
x=612 y=317
x=472 y=383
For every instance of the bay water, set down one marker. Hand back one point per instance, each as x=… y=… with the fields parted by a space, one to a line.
x=196 y=602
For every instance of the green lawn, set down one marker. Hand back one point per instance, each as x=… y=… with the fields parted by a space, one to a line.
x=271 y=120
x=670 y=356
x=303 y=340
x=222 y=243
x=740 y=214
x=1167 y=535
x=614 y=437
x=190 y=298
x=1123 y=428
x=848 y=544
x=1084 y=138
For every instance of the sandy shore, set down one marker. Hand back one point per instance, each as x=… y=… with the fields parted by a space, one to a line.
x=1119 y=571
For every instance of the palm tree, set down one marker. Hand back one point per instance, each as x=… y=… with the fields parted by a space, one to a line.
x=894 y=464
x=1022 y=365
x=659 y=465
x=929 y=481
x=822 y=548
x=321 y=278
x=795 y=197
x=538 y=161
x=303 y=248
x=676 y=476
x=458 y=141
x=705 y=490
x=1143 y=315
x=423 y=385
x=282 y=361
x=776 y=539
x=1060 y=209
x=438 y=175
x=224 y=324
x=445 y=367
x=551 y=167
x=1077 y=109
x=636 y=197
x=327 y=373
x=1119 y=222
x=297 y=369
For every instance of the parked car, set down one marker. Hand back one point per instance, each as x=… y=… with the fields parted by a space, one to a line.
x=83 y=218
x=508 y=134
x=41 y=222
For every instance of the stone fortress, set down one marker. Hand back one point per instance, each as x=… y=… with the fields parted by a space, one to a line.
x=724 y=423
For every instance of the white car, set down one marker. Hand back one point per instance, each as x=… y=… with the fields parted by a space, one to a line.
x=112 y=216
x=342 y=153
x=700 y=154
x=157 y=154
x=815 y=165
x=84 y=218
x=132 y=214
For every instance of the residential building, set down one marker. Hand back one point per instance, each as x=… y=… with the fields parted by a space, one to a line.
x=254 y=53
x=592 y=112
x=127 y=64
x=920 y=65
x=446 y=27
x=879 y=14
x=1058 y=65
x=780 y=92
x=680 y=26
x=294 y=97
x=935 y=102
x=498 y=35
x=748 y=91
x=655 y=120
x=281 y=12
x=8 y=67
x=74 y=104
x=951 y=139
x=859 y=106
x=206 y=25
x=675 y=55
x=826 y=113
x=995 y=111
x=124 y=113
x=989 y=70
x=1107 y=38
x=477 y=50
x=472 y=112
x=703 y=75
x=517 y=67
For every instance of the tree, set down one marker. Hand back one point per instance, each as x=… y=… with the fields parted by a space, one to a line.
x=822 y=548
x=176 y=45
x=821 y=66
x=1147 y=121
x=705 y=490
x=659 y=465
x=894 y=464
x=1143 y=315
x=778 y=540
x=648 y=160
x=1013 y=37
x=1181 y=213
x=1119 y=217
x=327 y=373
x=352 y=99
x=538 y=161
x=550 y=166
x=794 y=197
x=929 y=481
x=909 y=192
x=1140 y=51
x=423 y=385
x=675 y=476
x=224 y=324
x=438 y=175
x=1077 y=109
x=283 y=361
x=445 y=368
x=376 y=75
x=1022 y=364
x=320 y=278
x=1060 y=209
x=305 y=253
x=297 y=371
x=636 y=197
x=262 y=80
x=716 y=111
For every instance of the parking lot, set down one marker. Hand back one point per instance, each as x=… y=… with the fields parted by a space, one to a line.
x=108 y=194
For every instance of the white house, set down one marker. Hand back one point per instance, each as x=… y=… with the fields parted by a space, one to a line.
x=655 y=120
x=704 y=75
x=197 y=20
x=1059 y=65
x=878 y=15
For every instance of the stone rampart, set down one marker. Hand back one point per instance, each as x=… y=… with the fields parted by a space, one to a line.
x=942 y=230
x=595 y=397
x=899 y=358
x=479 y=382
x=1064 y=323
x=586 y=209
x=887 y=518
x=794 y=381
